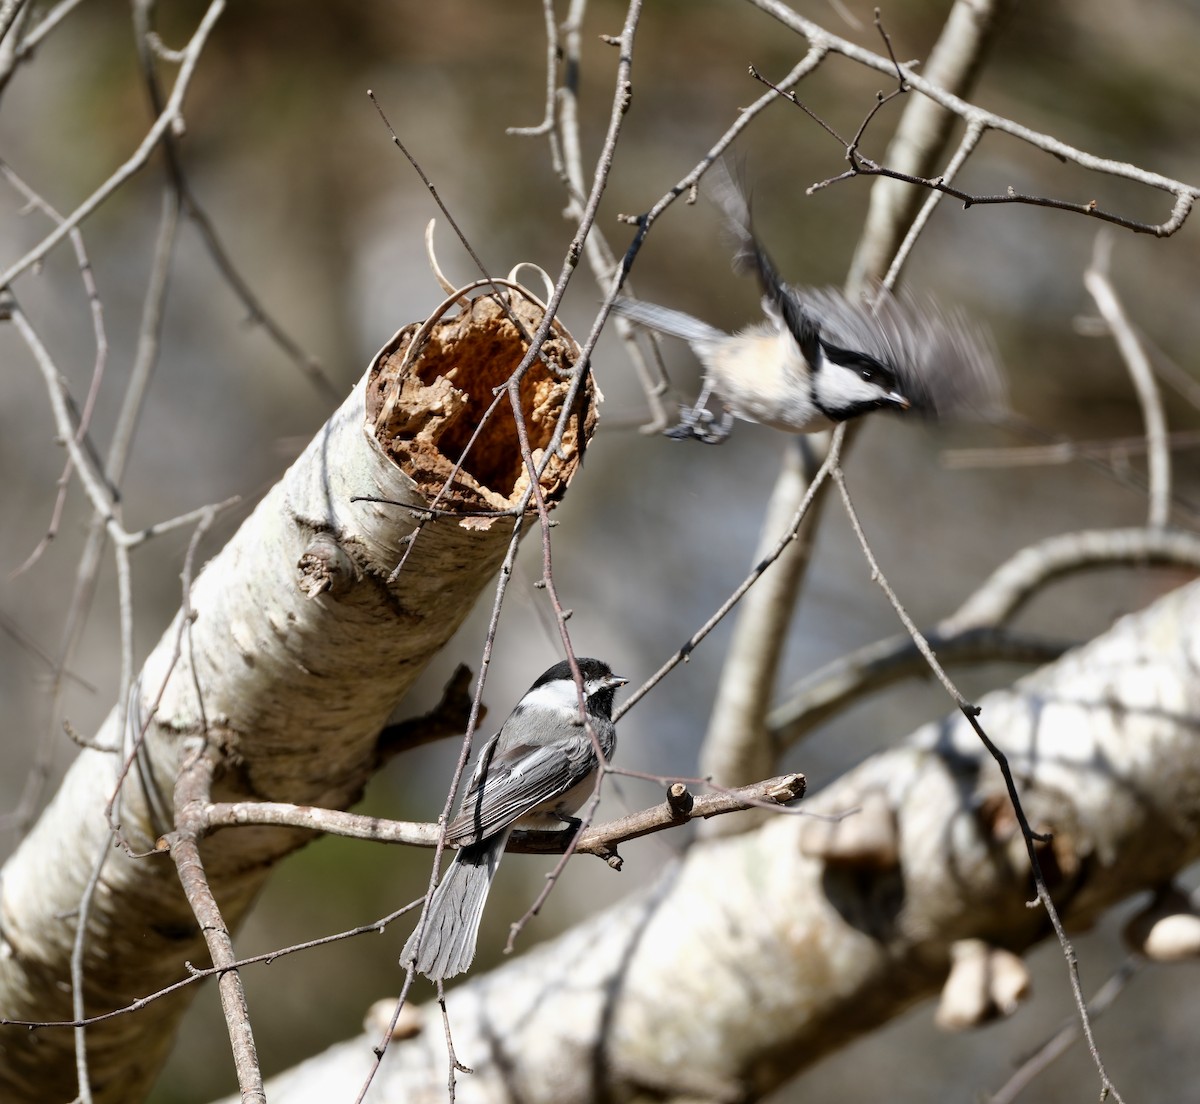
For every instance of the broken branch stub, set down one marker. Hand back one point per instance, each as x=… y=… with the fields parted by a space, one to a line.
x=432 y=403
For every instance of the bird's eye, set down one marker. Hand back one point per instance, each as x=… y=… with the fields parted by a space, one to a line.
x=870 y=375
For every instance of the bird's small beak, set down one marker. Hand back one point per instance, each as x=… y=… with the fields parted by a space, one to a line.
x=617 y=680
x=898 y=400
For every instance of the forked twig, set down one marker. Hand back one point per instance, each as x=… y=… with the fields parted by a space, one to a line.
x=1185 y=194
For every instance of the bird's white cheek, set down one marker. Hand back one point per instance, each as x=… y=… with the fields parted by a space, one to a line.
x=839 y=387
x=555 y=697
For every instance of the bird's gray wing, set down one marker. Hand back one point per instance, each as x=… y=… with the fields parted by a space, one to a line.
x=750 y=256
x=508 y=784
x=945 y=364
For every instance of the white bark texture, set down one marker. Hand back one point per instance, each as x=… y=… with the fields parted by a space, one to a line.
x=758 y=954
x=299 y=649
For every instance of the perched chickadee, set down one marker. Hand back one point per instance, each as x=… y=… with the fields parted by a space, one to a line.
x=820 y=358
x=534 y=773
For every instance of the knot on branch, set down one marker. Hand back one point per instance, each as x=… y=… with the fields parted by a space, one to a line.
x=324 y=567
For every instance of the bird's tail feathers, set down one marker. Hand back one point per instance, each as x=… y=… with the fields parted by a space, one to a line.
x=451 y=929
x=668 y=321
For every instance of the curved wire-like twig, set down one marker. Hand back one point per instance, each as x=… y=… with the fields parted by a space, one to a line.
x=1158 y=455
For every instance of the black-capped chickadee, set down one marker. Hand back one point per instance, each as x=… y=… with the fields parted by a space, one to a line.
x=534 y=773
x=819 y=358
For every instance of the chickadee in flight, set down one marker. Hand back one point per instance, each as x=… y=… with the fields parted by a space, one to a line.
x=534 y=773
x=819 y=358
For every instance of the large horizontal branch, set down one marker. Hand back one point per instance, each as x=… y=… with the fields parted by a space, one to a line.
x=758 y=954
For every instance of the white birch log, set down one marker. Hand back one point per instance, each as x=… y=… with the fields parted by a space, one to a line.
x=299 y=648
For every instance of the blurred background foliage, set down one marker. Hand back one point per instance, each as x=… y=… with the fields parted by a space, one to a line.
x=325 y=219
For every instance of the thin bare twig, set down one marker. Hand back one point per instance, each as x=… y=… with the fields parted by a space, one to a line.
x=921 y=134
x=546 y=126
x=149 y=47
x=380 y=1049
x=598 y=840
x=93 y=481
x=966 y=146
x=1111 y=462
x=604 y=164
x=18 y=45
x=751 y=669
x=1014 y=582
x=1060 y=1042
x=52 y=18
x=736 y=746
x=104 y=505
x=121 y=445
x=460 y=767
x=100 y=334
x=77 y=992
x=566 y=154
x=680 y=807
x=105 y=502
x=10 y=11
x=195 y=974
x=499 y=297
x=560 y=615
x=689 y=646
x=533 y=491
x=454 y=1066
x=13 y=14
x=26 y=641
